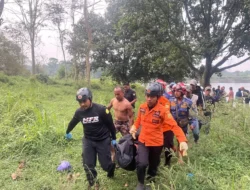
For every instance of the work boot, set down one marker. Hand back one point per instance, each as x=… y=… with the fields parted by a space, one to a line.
x=111 y=171
x=167 y=160
x=140 y=186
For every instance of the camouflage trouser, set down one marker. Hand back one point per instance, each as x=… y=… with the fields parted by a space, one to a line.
x=122 y=127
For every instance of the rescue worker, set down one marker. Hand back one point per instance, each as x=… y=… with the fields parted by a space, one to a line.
x=180 y=106
x=151 y=116
x=210 y=100
x=170 y=93
x=98 y=128
x=198 y=91
x=170 y=127
x=129 y=94
x=210 y=106
x=193 y=112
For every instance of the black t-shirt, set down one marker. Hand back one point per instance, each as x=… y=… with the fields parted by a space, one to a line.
x=130 y=95
x=97 y=122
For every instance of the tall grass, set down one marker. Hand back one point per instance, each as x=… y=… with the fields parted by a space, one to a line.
x=34 y=118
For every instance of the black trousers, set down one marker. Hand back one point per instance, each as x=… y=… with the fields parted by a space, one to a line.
x=168 y=143
x=147 y=156
x=92 y=149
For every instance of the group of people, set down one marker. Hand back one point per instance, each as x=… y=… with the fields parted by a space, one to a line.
x=168 y=111
x=243 y=94
x=220 y=94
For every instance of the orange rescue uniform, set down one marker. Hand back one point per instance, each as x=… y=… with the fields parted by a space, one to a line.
x=151 y=122
x=169 y=122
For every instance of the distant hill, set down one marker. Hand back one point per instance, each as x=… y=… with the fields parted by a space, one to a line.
x=236 y=77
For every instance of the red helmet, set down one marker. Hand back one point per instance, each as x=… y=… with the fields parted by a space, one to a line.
x=162 y=83
x=180 y=88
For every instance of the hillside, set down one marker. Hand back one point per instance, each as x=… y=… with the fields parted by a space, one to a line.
x=34 y=118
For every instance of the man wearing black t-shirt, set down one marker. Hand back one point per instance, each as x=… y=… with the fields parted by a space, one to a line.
x=98 y=128
x=129 y=94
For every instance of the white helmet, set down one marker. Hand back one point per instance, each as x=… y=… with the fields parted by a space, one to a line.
x=193 y=82
x=188 y=87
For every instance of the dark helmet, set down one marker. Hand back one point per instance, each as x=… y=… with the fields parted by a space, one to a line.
x=154 y=89
x=83 y=94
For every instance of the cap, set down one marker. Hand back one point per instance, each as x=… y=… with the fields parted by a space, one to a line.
x=193 y=82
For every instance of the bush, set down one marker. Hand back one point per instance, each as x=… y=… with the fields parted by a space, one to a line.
x=95 y=86
x=4 y=78
x=133 y=86
x=42 y=79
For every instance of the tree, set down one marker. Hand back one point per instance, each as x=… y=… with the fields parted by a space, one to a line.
x=79 y=51
x=1 y=8
x=16 y=33
x=135 y=47
x=213 y=30
x=56 y=14
x=32 y=19
x=78 y=45
x=89 y=44
x=52 y=67
x=11 y=56
x=73 y=9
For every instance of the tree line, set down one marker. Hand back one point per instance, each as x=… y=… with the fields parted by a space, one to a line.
x=139 y=40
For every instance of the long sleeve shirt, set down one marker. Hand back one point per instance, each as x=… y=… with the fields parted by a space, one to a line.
x=151 y=122
x=181 y=110
x=97 y=122
x=169 y=123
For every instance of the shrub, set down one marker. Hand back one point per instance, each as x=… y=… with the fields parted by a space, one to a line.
x=4 y=78
x=133 y=86
x=42 y=79
x=95 y=86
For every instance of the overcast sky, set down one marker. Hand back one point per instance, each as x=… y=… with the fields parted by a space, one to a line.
x=50 y=46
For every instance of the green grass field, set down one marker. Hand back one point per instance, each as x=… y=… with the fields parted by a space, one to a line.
x=34 y=117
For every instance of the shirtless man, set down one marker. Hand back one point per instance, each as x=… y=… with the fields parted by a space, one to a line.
x=123 y=112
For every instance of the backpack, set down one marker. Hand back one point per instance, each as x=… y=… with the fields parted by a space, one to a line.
x=126 y=152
